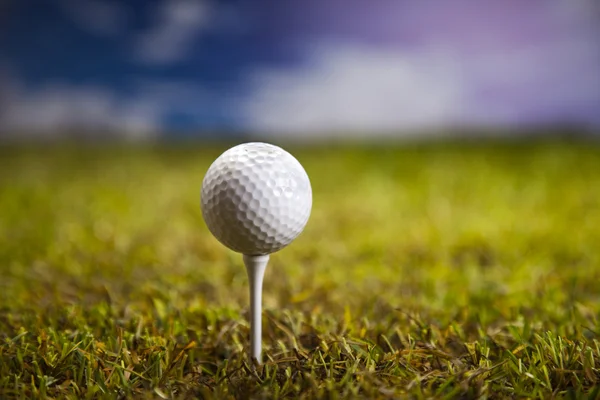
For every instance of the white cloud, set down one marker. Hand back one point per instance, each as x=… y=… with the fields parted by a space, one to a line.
x=57 y=109
x=354 y=89
x=357 y=89
x=177 y=25
x=100 y=17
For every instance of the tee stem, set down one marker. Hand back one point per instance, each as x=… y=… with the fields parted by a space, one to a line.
x=255 y=266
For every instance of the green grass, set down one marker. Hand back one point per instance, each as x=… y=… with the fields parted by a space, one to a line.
x=426 y=270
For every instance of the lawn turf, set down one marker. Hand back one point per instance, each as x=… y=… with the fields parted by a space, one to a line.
x=426 y=270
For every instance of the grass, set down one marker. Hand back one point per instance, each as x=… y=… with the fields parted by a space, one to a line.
x=426 y=270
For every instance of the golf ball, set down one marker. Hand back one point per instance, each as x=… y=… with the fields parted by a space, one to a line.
x=256 y=198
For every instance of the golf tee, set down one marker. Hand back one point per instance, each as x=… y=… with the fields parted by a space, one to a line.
x=255 y=266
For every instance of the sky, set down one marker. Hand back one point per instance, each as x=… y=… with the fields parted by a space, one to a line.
x=309 y=68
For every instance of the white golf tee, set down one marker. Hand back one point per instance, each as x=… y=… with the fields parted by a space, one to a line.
x=255 y=266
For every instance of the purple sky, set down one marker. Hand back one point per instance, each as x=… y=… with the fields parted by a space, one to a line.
x=299 y=67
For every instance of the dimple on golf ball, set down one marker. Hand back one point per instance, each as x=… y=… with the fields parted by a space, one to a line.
x=256 y=198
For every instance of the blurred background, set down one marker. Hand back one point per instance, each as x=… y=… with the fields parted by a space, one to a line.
x=297 y=69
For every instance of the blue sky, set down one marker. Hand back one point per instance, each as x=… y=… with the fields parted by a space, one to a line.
x=297 y=67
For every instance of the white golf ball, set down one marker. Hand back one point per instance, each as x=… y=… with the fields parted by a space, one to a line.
x=256 y=198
